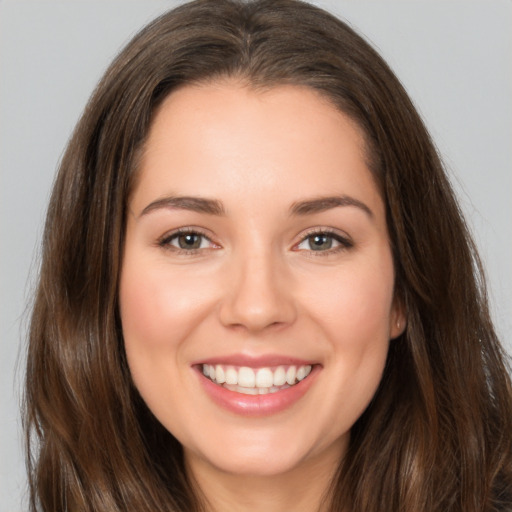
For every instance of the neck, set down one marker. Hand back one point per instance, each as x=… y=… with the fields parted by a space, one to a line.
x=301 y=489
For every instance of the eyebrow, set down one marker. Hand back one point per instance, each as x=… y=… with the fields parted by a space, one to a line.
x=321 y=204
x=195 y=204
x=215 y=207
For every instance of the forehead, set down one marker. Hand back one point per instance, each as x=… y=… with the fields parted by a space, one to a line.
x=238 y=106
x=226 y=139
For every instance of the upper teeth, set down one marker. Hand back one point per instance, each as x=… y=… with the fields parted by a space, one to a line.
x=247 y=377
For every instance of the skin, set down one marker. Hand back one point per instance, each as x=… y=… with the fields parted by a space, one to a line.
x=255 y=286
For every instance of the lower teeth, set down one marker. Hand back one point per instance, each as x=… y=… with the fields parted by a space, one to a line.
x=254 y=391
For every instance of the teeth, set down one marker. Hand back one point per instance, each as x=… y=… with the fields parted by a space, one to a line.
x=303 y=372
x=246 y=377
x=254 y=391
x=231 y=376
x=252 y=381
x=220 y=377
x=279 y=376
x=264 y=378
x=290 y=375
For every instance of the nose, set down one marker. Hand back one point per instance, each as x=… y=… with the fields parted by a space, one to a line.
x=259 y=294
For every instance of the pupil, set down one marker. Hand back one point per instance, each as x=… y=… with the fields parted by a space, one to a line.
x=321 y=242
x=189 y=241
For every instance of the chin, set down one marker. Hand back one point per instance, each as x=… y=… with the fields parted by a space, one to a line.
x=257 y=465
x=257 y=455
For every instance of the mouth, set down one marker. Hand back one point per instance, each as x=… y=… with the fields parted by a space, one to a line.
x=256 y=381
x=251 y=388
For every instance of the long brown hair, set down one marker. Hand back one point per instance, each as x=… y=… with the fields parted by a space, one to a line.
x=436 y=436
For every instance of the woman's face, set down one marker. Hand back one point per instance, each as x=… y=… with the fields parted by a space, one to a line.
x=257 y=282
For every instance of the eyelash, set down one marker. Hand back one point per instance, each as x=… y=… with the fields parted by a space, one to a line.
x=165 y=241
x=344 y=242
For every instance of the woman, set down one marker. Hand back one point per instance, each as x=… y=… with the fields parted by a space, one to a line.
x=257 y=290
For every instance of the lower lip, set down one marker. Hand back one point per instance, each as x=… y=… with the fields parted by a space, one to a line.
x=258 y=405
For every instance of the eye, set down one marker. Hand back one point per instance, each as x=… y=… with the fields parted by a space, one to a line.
x=186 y=240
x=324 y=241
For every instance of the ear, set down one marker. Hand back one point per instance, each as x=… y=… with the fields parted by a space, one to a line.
x=397 y=320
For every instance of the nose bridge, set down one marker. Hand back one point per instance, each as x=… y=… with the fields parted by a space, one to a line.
x=258 y=294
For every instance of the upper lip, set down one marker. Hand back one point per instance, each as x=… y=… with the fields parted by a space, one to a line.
x=254 y=361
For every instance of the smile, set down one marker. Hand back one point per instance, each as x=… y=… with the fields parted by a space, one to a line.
x=256 y=386
x=256 y=381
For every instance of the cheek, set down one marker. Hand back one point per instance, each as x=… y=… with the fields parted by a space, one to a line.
x=158 y=307
x=159 y=310
x=354 y=316
x=157 y=313
x=144 y=324
x=354 y=304
x=148 y=309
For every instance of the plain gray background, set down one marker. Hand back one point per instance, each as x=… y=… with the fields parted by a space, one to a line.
x=454 y=57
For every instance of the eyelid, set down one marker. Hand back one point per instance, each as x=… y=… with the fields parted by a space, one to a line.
x=164 y=240
x=344 y=240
